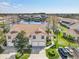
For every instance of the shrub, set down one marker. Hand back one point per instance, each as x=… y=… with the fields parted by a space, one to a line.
x=1 y=50
x=27 y=51
x=48 y=42
x=24 y=56
x=57 y=31
x=6 y=30
x=64 y=25
x=52 y=53
x=68 y=37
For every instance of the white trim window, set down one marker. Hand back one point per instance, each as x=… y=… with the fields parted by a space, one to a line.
x=9 y=37
x=42 y=37
x=34 y=37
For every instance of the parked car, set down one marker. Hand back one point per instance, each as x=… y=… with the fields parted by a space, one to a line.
x=63 y=53
x=70 y=51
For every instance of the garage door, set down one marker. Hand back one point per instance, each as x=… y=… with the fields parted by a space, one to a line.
x=38 y=43
x=34 y=43
x=41 y=43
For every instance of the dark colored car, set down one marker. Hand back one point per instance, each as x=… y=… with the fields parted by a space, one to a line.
x=63 y=53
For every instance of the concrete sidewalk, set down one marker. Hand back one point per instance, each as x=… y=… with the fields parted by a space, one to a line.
x=9 y=51
x=50 y=45
x=7 y=56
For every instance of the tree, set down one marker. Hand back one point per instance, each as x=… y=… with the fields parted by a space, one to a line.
x=21 y=41
x=48 y=27
x=2 y=38
x=5 y=26
x=55 y=23
x=6 y=29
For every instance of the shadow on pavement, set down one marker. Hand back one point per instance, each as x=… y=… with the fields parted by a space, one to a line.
x=36 y=50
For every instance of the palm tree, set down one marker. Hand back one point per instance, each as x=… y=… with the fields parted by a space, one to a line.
x=55 y=23
x=48 y=28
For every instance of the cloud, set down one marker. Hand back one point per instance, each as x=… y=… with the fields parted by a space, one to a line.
x=4 y=4
x=8 y=7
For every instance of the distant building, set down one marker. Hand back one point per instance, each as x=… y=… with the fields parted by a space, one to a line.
x=68 y=22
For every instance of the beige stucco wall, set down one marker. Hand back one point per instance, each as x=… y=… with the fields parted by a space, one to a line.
x=38 y=41
x=9 y=41
x=33 y=42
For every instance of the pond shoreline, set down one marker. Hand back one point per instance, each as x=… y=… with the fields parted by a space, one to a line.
x=31 y=22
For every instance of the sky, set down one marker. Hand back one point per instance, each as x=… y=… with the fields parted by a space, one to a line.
x=39 y=6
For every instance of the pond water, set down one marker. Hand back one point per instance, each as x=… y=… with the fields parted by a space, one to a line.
x=31 y=22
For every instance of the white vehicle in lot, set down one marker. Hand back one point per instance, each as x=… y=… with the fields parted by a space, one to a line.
x=70 y=51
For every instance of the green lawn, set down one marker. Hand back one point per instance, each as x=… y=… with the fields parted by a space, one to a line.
x=63 y=42
x=1 y=24
x=64 y=29
x=52 y=53
x=24 y=56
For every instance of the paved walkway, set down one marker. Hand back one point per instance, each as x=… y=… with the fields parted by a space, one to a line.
x=7 y=56
x=9 y=51
x=50 y=45
x=3 y=56
x=40 y=55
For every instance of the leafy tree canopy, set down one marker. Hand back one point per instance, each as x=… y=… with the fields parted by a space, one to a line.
x=21 y=41
x=2 y=37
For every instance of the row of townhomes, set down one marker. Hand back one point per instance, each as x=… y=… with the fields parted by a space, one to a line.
x=35 y=32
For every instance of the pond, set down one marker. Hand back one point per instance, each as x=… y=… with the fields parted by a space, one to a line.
x=31 y=22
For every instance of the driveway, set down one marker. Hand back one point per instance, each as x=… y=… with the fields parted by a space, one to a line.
x=9 y=50
x=38 y=53
x=8 y=53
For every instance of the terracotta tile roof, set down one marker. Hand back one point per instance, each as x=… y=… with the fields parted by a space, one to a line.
x=39 y=31
x=29 y=28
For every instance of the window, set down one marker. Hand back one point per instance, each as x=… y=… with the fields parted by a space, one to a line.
x=9 y=37
x=42 y=37
x=34 y=37
x=13 y=41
